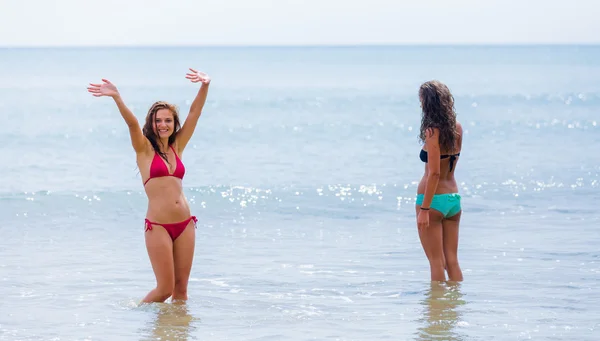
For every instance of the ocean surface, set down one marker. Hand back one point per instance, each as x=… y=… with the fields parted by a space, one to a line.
x=303 y=173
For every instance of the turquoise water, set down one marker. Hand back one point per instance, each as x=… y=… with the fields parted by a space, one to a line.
x=303 y=173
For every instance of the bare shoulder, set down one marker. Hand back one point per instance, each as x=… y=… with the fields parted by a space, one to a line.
x=459 y=130
x=432 y=132
x=459 y=127
x=432 y=139
x=176 y=146
x=147 y=151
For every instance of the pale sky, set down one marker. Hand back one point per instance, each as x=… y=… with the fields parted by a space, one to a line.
x=297 y=22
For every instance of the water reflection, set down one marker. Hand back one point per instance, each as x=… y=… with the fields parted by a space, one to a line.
x=172 y=322
x=440 y=315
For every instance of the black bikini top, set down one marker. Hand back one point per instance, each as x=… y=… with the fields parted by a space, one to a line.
x=423 y=157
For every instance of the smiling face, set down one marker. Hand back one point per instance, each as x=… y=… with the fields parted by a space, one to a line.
x=164 y=123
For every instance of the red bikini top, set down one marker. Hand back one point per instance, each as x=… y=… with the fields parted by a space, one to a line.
x=159 y=168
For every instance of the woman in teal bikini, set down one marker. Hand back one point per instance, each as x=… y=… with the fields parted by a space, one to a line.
x=438 y=202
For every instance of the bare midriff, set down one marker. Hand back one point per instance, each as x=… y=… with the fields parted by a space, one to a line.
x=166 y=201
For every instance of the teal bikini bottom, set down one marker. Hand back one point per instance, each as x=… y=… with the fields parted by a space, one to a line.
x=448 y=204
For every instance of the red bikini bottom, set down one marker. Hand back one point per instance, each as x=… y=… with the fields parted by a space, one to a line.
x=174 y=229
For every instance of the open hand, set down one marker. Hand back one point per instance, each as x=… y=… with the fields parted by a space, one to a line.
x=196 y=77
x=105 y=89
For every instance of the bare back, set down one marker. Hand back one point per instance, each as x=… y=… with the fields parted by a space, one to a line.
x=447 y=182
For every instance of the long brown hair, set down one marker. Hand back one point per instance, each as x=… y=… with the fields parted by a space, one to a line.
x=438 y=112
x=150 y=124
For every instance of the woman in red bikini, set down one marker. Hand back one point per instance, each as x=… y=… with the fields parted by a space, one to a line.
x=169 y=226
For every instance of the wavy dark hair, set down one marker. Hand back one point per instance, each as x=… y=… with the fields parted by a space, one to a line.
x=150 y=124
x=437 y=103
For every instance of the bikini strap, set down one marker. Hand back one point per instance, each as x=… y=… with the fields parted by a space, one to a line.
x=174 y=152
x=452 y=160
x=148 y=224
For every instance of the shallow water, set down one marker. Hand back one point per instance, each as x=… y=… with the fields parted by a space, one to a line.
x=303 y=172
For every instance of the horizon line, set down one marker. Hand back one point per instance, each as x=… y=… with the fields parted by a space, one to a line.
x=141 y=46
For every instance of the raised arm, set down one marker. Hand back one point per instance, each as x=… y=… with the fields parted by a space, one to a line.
x=432 y=142
x=138 y=140
x=187 y=130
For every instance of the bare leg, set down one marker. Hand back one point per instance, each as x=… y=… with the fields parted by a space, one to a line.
x=160 y=251
x=432 y=242
x=450 y=227
x=183 y=255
